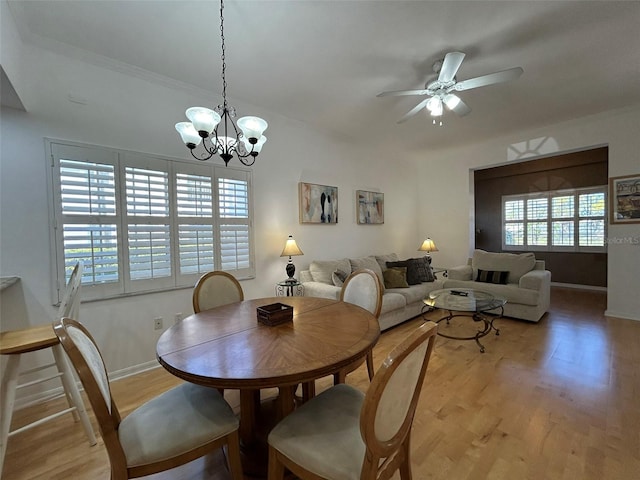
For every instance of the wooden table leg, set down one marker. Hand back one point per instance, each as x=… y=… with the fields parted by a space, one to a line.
x=249 y=401
x=285 y=403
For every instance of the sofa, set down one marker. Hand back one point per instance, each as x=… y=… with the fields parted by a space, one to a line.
x=398 y=304
x=519 y=278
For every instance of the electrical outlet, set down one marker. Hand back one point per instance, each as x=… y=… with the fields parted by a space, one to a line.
x=178 y=317
x=157 y=323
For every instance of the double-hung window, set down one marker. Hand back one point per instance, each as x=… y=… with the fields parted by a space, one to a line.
x=562 y=220
x=142 y=223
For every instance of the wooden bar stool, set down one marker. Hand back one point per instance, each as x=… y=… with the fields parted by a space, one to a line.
x=14 y=344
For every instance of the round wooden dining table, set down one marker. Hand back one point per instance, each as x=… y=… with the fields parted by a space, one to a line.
x=228 y=348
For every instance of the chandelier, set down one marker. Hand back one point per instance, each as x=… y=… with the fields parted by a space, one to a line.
x=205 y=125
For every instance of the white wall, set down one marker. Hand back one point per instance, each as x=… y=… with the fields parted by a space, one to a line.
x=131 y=113
x=446 y=202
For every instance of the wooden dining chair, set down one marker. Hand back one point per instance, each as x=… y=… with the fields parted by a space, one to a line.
x=363 y=288
x=214 y=289
x=174 y=428
x=344 y=434
x=14 y=344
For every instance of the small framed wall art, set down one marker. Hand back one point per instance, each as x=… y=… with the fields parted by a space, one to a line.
x=624 y=195
x=318 y=203
x=370 y=207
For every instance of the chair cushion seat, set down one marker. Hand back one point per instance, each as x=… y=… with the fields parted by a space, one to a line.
x=324 y=434
x=156 y=430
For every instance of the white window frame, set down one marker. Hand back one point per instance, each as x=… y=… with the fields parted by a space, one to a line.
x=120 y=160
x=576 y=218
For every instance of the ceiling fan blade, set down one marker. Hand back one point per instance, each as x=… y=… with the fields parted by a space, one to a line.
x=490 y=79
x=398 y=93
x=456 y=105
x=450 y=66
x=414 y=110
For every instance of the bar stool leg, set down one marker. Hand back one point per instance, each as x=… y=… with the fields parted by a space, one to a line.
x=71 y=390
x=9 y=385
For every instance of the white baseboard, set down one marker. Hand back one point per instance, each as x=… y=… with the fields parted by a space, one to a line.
x=44 y=396
x=579 y=287
x=625 y=316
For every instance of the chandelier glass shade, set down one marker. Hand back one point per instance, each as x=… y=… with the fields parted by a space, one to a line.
x=216 y=130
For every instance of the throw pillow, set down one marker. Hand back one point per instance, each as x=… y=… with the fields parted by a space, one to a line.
x=492 y=276
x=412 y=270
x=423 y=266
x=339 y=277
x=395 y=277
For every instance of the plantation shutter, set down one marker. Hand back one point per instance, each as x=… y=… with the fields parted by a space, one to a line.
x=234 y=220
x=140 y=223
x=194 y=198
x=87 y=216
x=148 y=223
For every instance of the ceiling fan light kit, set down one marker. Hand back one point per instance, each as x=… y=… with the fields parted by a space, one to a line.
x=440 y=90
x=245 y=143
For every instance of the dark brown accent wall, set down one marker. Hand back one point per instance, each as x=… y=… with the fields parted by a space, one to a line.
x=587 y=168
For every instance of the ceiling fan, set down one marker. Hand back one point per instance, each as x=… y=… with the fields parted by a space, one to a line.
x=440 y=91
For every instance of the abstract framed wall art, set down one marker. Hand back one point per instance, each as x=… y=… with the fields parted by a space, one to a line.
x=370 y=207
x=624 y=195
x=318 y=203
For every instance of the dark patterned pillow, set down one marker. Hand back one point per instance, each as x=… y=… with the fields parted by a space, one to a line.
x=395 y=277
x=424 y=269
x=491 y=276
x=413 y=278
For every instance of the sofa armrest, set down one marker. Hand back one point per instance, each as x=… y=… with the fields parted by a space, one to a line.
x=536 y=280
x=464 y=272
x=322 y=290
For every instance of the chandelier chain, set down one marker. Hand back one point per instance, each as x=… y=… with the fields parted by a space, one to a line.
x=224 y=64
x=217 y=131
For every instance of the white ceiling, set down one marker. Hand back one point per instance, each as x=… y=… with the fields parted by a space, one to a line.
x=324 y=62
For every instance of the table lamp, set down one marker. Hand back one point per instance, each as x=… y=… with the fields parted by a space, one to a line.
x=291 y=249
x=428 y=246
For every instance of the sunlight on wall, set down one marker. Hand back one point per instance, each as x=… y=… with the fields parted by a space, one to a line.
x=532 y=148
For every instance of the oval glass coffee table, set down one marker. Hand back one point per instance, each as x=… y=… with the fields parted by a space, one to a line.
x=467 y=302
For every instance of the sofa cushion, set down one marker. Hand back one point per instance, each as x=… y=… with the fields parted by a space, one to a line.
x=383 y=259
x=492 y=276
x=415 y=293
x=369 y=262
x=395 y=277
x=392 y=301
x=516 y=264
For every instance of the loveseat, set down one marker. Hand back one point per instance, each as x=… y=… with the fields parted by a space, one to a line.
x=519 y=278
x=398 y=304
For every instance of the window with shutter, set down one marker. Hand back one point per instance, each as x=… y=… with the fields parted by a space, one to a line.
x=142 y=223
x=565 y=220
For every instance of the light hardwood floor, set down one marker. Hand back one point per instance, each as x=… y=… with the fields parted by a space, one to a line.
x=555 y=400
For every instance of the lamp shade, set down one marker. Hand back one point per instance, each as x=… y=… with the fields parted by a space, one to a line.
x=252 y=127
x=428 y=246
x=203 y=119
x=290 y=248
x=188 y=134
x=257 y=147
